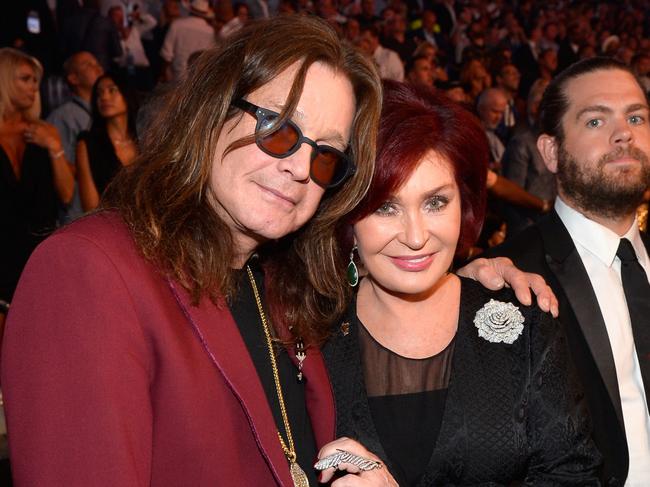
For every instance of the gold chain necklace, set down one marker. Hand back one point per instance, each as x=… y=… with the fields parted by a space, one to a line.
x=297 y=474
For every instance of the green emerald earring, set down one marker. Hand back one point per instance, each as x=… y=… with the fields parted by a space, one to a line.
x=353 y=272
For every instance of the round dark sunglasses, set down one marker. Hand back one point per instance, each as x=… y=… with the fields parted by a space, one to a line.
x=329 y=167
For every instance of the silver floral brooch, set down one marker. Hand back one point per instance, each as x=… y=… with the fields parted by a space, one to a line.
x=499 y=322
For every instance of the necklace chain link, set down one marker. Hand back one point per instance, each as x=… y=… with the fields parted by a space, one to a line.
x=289 y=451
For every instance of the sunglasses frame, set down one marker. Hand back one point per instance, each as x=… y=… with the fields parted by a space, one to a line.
x=261 y=114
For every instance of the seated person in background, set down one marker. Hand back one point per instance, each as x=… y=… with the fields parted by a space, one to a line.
x=111 y=142
x=448 y=383
x=388 y=62
x=419 y=70
x=507 y=78
x=73 y=117
x=397 y=40
x=491 y=107
x=523 y=165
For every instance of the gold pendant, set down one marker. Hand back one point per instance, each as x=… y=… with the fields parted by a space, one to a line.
x=298 y=475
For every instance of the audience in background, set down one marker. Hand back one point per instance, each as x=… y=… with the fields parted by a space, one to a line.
x=523 y=164
x=133 y=62
x=185 y=36
x=507 y=79
x=388 y=63
x=491 y=106
x=85 y=29
x=419 y=71
x=462 y=47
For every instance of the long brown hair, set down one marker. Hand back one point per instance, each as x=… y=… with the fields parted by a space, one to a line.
x=165 y=196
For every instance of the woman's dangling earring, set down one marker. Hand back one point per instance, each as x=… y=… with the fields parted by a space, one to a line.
x=353 y=272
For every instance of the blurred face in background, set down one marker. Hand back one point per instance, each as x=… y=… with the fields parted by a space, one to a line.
x=110 y=101
x=116 y=15
x=421 y=72
x=352 y=30
x=457 y=93
x=548 y=60
x=428 y=20
x=172 y=9
x=491 y=108
x=510 y=78
x=368 y=43
x=85 y=71
x=25 y=87
x=368 y=7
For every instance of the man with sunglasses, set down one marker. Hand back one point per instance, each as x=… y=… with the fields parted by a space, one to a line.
x=329 y=166
x=177 y=344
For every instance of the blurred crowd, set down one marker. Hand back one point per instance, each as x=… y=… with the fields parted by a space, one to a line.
x=78 y=79
x=494 y=56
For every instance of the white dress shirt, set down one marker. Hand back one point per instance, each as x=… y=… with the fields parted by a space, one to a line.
x=185 y=36
x=132 y=46
x=597 y=247
x=388 y=63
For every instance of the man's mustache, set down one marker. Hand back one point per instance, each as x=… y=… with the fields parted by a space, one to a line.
x=621 y=152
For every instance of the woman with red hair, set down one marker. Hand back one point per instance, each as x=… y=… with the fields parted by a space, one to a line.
x=447 y=382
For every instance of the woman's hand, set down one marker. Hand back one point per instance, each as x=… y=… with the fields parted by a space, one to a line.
x=372 y=473
x=44 y=135
x=500 y=271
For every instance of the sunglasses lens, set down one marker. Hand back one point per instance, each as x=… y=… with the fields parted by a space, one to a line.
x=281 y=141
x=328 y=168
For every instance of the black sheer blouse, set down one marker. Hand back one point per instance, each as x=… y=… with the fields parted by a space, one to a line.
x=397 y=385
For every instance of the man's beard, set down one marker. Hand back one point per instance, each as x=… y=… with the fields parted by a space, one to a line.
x=592 y=190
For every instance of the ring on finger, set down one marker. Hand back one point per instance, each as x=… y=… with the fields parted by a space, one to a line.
x=342 y=456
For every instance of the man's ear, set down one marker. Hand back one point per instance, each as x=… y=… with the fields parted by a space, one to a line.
x=548 y=147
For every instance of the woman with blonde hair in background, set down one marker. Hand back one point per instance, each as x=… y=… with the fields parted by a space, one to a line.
x=35 y=177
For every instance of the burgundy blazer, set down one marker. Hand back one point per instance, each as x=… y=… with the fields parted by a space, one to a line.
x=111 y=377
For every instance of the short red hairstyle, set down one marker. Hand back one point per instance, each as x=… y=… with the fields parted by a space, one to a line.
x=414 y=121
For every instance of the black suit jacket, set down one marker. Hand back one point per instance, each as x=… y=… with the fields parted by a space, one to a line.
x=547 y=249
x=566 y=55
x=512 y=414
x=526 y=62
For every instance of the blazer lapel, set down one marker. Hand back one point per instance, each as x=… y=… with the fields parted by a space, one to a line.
x=563 y=259
x=216 y=330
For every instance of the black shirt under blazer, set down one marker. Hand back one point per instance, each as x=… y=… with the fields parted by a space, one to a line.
x=547 y=249
x=513 y=412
